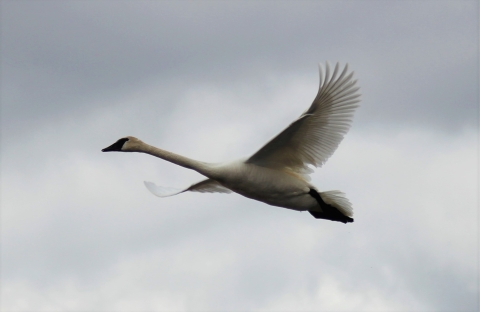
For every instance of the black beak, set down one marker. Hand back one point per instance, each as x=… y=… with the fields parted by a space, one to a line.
x=115 y=147
x=111 y=148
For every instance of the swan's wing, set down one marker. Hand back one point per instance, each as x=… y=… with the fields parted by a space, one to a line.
x=162 y=191
x=208 y=186
x=316 y=134
x=205 y=186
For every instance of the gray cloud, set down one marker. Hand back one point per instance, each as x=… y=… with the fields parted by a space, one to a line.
x=417 y=61
x=214 y=81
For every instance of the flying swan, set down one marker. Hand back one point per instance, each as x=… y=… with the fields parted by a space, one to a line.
x=277 y=174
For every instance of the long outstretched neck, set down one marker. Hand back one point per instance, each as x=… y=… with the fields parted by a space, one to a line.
x=200 y=167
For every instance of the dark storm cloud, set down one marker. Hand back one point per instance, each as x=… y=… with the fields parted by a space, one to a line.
x=416 y=61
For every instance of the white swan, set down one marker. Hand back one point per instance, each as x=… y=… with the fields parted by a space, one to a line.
x=277 y=174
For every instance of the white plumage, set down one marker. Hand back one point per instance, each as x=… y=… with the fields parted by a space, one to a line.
x=277 y=174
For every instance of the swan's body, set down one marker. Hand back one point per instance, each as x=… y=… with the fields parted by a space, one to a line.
x=277 y=173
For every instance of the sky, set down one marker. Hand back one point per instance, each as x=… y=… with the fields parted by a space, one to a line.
x=214 y=81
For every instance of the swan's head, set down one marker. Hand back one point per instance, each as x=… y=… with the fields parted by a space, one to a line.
x=126 y=144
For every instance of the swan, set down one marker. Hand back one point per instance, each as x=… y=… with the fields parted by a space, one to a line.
x=277 y=174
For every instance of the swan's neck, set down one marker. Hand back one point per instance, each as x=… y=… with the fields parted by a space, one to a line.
x=200 y=167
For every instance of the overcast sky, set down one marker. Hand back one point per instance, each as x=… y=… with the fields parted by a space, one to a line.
x=214 y=81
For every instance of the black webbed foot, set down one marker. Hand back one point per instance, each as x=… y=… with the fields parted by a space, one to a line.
x=329 y=212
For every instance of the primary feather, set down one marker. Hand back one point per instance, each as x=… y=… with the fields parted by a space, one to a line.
x=316 y=134
x=205 y=186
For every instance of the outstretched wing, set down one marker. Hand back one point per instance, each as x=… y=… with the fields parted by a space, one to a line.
x=205 y=186
x=316 y=134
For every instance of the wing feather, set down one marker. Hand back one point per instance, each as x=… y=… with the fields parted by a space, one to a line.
x=316 y=134
x=205 y=186
x=208 y=186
